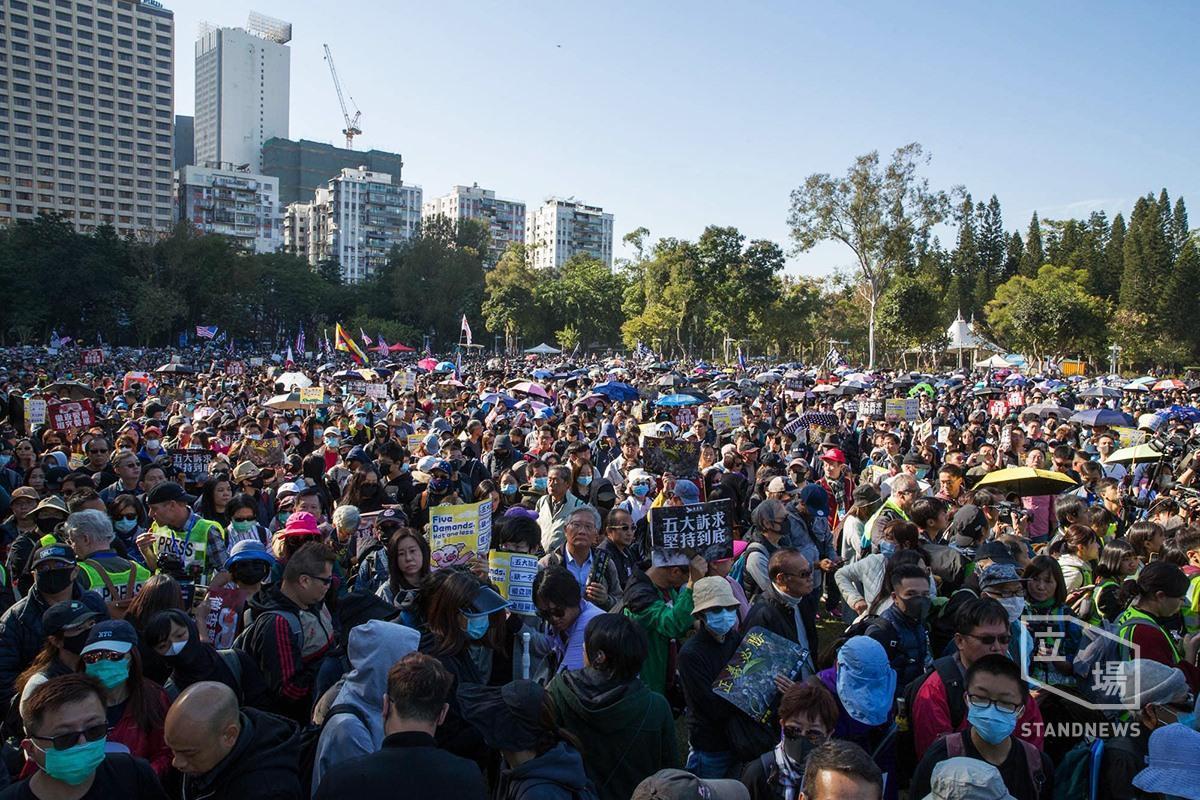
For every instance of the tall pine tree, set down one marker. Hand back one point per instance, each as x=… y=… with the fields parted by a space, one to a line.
x=1114 y=260
x=1014 y=254
x=1034 y=257
x=992 y=242
x=964 y=262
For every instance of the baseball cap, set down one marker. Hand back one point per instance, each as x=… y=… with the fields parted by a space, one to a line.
x=164 y=493
x=67 y=614
x=25 y=493
x=686 y=491
x=676 y=784
x=835 y=455
x=996 y=552
x=357 y=453
x=781 y=484
x=116 y=635
x=816 y=499
x=728 y=450
x=249 y=550
x=53 y=552
x=997 y=573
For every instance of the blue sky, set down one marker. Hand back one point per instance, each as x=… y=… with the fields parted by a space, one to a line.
x=677 y=115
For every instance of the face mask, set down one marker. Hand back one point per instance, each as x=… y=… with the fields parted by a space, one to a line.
x=125 y=525
x=74 y=644
x=249 y=574
x=53 y=581
x=887 y=549
x=797 y=749
x=244 y=526
x=917 y=608
x=331 y=441
x=369 y=490
x=152 y=444
x=922 y=472
x=254 y=437
x=110 y=673
x=317 y=432
x=508 y=489
x=439 y=485
x=585 y=480
x=404 y=468
x=992 y=724
x=1014 y=606
x=76 y=764
x=282 y=517
x=641 y=490
x=176 y=648
x=477 y=627
x=720 y=621
x=540 y=484
x=46 y=524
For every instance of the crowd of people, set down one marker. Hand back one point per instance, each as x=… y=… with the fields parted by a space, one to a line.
x=990 y=600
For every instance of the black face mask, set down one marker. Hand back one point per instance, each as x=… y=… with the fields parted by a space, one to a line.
x=47 y=524
x=250 y=573
x=53 y=581
x=74 y=644
x=368 y=490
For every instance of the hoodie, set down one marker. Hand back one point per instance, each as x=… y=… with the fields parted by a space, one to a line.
x=556 y=774
x=263 y=764
x=629 y=730
x=374 y=647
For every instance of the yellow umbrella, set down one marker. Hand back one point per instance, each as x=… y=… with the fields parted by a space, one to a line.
x=1140 y=452
x=1027 y=481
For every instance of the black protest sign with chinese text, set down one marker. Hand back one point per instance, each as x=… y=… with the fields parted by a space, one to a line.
x=674 y=456
x=192 y=463
x=69 y=416
x=693 y=527
x=748 y=680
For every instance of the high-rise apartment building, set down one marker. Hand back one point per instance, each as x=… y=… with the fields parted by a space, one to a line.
x=242 y=82
x=304 y=166
x=86 y=104
x=354 y=220
x=230 y=201
x=560 y=229
x=505 y=218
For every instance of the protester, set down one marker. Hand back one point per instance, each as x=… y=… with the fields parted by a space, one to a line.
x=556 y=596
x=807 y=716
x=660 y=600
x=781 y=608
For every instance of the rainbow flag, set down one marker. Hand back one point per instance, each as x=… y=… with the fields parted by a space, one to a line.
x=345 y=343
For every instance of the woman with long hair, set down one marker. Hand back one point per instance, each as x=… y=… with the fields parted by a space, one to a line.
x=1117 y=564
x=1077 y=550
x=243 y=521
x=66 y=626
x=1147 y=539
x=866 y=502
x=24 y=456
x=408 y=563
x=158 y=594
x=1046 y=596
x=175 y=637
x=363 y=491
x=214 y=499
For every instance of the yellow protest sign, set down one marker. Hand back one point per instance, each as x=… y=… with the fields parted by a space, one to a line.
x=513 y=574
x=725 y=418
x=456 y=532
x=313 y=394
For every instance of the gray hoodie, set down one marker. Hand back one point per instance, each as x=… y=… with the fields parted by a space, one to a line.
x=374 y=647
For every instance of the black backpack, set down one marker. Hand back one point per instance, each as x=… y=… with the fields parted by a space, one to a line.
x=310 y=737
x=863 y=627
x=947 y=669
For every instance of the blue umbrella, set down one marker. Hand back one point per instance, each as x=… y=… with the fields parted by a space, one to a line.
x=617 y=391
x=496 y=397
x=1101 y=416
x=445 y=366
x=676 y=400
x=1187 y=413
x=542 y=374
x=1016 y=379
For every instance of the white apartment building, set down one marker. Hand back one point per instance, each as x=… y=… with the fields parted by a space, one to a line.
x=242 y=85
x=505 y=218
x=355 y=220
x=86 y=113
x=560 y=229
x=232 y=202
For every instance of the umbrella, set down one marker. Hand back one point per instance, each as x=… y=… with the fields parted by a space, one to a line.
x=903 y=382
x=289 y=401
x=71 y=390
x=294 y=380
x=1189 y=413
x=1101 y=391
x=984 y=391
x=1168 y=384
x=527 y=387
x=176 y=369
x=531 y=405
x=1044 y=410
x=660 y=366
x=452 y=382
x=428 y=364
x=590 y=400
x=1140 y=452
x=444 y=366
x=1135 y=387
x=496 y=397
x=768 y=377
x=849 y=388
x=823 y=388
x=676 y=400
x=1101 y=416
x=672 y=380
x=1049 y=386
x=919 y=388
x=1027 y=481
x=1016 y=379
x=400 y=348
x=617 y=391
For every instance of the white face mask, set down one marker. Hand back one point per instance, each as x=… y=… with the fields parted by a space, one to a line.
x=1014 y=606
x=176 y=648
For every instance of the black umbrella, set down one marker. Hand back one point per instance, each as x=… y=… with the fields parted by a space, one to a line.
x=176 y=369
x=72 y=390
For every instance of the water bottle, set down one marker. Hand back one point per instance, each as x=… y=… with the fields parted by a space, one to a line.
x=525 y=655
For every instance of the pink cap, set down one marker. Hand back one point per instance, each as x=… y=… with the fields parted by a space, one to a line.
x=739 y=547
x=301 y=523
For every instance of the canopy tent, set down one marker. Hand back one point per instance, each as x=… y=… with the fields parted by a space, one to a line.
x=995 y=362
x=543 y=349
x=961 y=337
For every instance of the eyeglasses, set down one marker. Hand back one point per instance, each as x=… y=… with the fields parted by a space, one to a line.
x=991 y=639
x=804 y=574
x=986 y=702
x=620 y=527
x=327 y=581
x=814 y=736
x=65 y=741
x=96 y=656
x=97 y=450
x=552 y=613
x=128 y=517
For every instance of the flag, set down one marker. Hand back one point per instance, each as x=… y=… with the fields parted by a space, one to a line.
x=741 y=358
x=833 y=357
x=54 y=338
x=366 y=339
x=230 y=345
x=466 y=329
x=428 y=347
x=291 y=358
x=328 y=349
x=206 y=331
x=575 y=352
x=342 y=341
x=458 y=362
x=381 y=346
x=300 y=340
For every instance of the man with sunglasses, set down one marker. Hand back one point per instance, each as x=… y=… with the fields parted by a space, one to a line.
x=96 y=464
x=66 y=730
x=556 y=595
x=623 y=551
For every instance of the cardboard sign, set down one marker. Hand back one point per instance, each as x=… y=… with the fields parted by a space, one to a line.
x=997 y=409
x=313 y=394
x=748 y=680
x=376 y=391
x=235 y=368
x=870 y=408
x=513 y=574
x=693 y=527
x=725 y=418
x=224 y=608
x=192 y=463
x=35 y=413
x=69 y=416
x=92 y=358
x=131 y=378
x=680 y=458
x=457 y=532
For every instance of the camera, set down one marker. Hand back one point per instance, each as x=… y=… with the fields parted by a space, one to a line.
x=1012 y=509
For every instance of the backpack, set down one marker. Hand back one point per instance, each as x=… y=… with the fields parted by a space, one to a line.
x=1077 y=776
x=1100 y=645
x=862 y=627
x=295 y=628
x=906 y=749
x=310 y=738
x=119 y=603
x=748 y=585
x=1033 y=759
x=232 y=660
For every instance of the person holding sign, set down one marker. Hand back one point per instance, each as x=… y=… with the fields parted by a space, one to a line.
x=593 y=568
x=660 y=600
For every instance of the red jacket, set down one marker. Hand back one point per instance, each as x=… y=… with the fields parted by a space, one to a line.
x=1154 y=645
x=931 y=717
x=147 y=744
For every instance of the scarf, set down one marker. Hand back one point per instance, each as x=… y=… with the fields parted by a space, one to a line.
x=789 y=774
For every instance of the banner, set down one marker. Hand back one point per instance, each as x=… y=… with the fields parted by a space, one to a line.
x=256 y=361
x=870 y=408
x=375 y=391
x=513 y=574
x=68 y=416
x=192 y=463
x=313 y=394
x=457 y=532
x=748 y=680
x=92 y=358
x=902 y=408
x=131 y=378
x=235 y=368
x=997 y=409
x=724 y=418
x=693 y=527
x=35 y=413
x=683 y=417
x=680 y=458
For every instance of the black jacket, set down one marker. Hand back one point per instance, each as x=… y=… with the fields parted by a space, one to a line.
x=777 y=617
x=21 y=634
x=274 y=639
x=263 y=765
x=699 y=662
x=409 y=764
x=627 y=560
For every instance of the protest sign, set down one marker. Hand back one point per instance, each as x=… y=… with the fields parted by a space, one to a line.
x=92 y=358
x=795 y=384
x=136 y=377
x=405 y=381
x=693 y=527
x=235 y=368
x=675 y=456
x=376 y=391
x=192 y=463
x=313 y=394
x=725 y=418
x=997 y=409
x=513 y=574
x=683 y=417
x=35 y=413
x=456 y=532
x=256 y=361
x=224 y=607
x=902 y=408
x=68 y=416
x=748 y=680
x=870 y=408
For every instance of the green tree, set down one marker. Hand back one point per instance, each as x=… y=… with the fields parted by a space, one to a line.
x=508 y=304
x=992 y=242
x=1051 y=314
x=861 y=210
x=964 y=261
x=910 y=316
x=1014 y=254
x=1033 y=258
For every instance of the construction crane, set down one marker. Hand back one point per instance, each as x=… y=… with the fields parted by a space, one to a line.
x=351 y=130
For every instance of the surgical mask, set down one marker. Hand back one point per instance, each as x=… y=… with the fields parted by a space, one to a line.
x=282 y=516
x=244 y=526
x=540 y=484
x=797 y=749
x=404 y=468
x=477 y=627
x=254 y=437
x=992 y=724
x=641 y=490
x=509 y=489
x=1014 y=606
x=917 y=608
x=74 y=644
x=125 y=525
x=922 y=472
x=53 y=581
x=176 y=648
x=152 y=444
x=76 y=764
x=585 y=480
x=110 y=673
x=250 y=573
x=331 y=441
x=887 y=549
x=720 y=621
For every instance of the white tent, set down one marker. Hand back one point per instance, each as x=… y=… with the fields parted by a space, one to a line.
x=543 y=349
x=962 y=336
x=995 y=362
